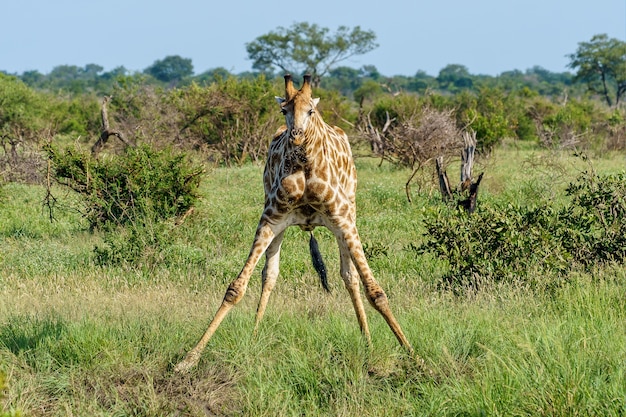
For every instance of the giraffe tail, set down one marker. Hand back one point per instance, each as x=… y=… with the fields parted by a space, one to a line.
x=318 y=262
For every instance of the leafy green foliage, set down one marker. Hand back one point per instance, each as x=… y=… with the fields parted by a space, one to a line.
x=454 y=77
x=504 y=241
x=21 y=109
x=308 y=48
x=171 y=69
x=22 y=118
x=90 y=79
x=496 y=242
x=599 y=215
x=141 y=184
x=233 y=119
x=77 y=117
x=228 y=122
x=490 y=113
x=601 y=64
x=131 y=197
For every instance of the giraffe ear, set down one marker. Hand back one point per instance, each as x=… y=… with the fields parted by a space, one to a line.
x=279 y=100
x=315 y=101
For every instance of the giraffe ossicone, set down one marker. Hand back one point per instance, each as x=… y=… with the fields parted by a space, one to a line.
x=309 y=181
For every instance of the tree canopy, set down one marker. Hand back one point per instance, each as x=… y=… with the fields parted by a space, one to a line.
x=170 y=69
x=454 y=76
x=601 y=63
x=308 y=48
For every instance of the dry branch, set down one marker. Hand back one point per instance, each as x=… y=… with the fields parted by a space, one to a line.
x=469 y=203
x=444 y=183
x=467 y=186
x=106 y=131
x=467 y=155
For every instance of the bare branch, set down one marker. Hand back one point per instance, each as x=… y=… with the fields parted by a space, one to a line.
x=444 y=183
x=106 y=131
x=467 y=155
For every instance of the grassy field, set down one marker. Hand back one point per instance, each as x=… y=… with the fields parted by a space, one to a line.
x=81 y=339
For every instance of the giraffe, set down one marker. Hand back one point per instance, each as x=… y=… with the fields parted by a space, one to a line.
x=309 y=180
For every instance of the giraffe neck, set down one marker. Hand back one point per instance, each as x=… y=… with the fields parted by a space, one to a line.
x=315 y=136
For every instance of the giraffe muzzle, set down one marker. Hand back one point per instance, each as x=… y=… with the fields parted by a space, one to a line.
x=296 y=135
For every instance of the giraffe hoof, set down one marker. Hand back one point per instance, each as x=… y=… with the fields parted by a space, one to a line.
x=424 y=368
x=186 y=364
x=182 y=367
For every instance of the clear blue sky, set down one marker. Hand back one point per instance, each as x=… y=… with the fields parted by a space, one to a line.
x=487 y=36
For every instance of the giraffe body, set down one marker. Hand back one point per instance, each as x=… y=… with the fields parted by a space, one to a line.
x=309 y=180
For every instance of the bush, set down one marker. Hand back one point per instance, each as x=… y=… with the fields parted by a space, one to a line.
x=140 y=184
x=130 y=197
x=497 y=242
x=599 y=213
x=505 y=241
x=23 y=119
x=232 y=121
x=490 y=113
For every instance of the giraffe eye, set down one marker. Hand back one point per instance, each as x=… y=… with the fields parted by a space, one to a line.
x=283 y=111
x=311 y=112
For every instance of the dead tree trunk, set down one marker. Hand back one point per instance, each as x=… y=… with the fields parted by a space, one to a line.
x=467 y=185
x=469 y=203
x=467 y=155
x=106 y=131
x=444 y=183
x=467 y=164
x=375 y=137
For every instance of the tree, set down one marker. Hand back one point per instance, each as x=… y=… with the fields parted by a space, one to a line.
x=170 y=69
x=306 y=48
x=601 y=63
x=32 y=78
x=23 y=117
x=213 y=75
x=454 y=76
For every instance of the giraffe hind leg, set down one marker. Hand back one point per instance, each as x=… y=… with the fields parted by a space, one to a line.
x=374 y=292
x=350 y=279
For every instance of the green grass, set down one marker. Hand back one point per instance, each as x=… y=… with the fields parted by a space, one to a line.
x=77 y=338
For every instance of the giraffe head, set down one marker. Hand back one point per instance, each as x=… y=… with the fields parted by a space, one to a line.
x=298 y=107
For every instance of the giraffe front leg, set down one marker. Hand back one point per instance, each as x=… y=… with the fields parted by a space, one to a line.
x=235 y=292
x=269 y=275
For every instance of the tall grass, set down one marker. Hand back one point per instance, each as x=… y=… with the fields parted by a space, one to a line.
x=81 y=338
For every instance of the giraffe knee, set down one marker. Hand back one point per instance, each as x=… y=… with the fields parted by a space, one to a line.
x=378 y=299
x=234 y=294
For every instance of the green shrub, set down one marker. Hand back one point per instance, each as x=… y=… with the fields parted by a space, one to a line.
x=24 y=122
x=141 y=183
x=234 y=120
x=598 y=214
x=138 y=243
x=505 y=241
x=130 y=197
x=497 y=242
x=398 y=107
x=78 y=116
